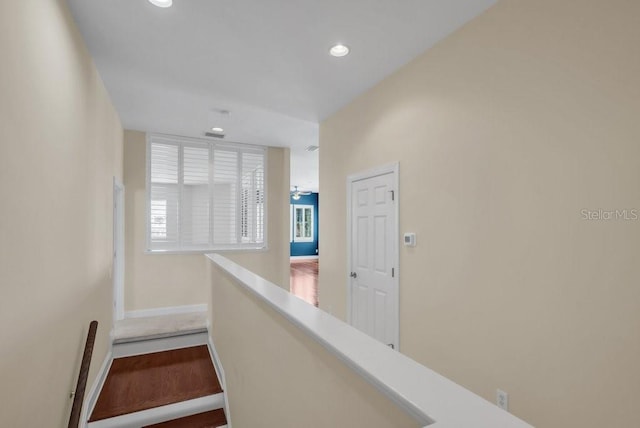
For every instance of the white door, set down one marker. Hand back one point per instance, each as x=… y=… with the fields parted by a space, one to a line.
x=373 y=280
x=118 y=250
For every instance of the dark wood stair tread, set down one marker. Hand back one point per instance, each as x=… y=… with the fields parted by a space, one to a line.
x=215 y=418
x=151 y=380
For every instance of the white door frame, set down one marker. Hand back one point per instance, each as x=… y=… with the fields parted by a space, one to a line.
x=118 y=250
x=393 y=168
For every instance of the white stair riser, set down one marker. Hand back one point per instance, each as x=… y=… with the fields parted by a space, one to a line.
x=129 y=349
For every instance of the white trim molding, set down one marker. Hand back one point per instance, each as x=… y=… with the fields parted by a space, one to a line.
x=118 y=249
x=148 y=346
x=217 y=365
x=304 y=258
x=169 y=310
x=96 y=387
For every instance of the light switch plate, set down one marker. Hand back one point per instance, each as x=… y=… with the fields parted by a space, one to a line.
x=410 y=239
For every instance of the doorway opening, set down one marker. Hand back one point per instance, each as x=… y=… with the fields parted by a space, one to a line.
x=303 y=244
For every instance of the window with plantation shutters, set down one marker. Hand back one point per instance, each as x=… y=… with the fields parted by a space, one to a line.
x=204 y=196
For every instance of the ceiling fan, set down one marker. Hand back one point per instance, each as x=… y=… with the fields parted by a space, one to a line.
x=297 y=193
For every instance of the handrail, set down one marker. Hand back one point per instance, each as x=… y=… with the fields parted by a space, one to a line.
x=78 y=396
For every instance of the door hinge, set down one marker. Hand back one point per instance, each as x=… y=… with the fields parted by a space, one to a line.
x=393 y=195
x=393 y=272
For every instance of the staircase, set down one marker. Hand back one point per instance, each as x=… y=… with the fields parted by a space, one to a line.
x=162 y=375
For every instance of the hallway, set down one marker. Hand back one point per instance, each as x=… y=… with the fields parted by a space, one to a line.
x=304 y=280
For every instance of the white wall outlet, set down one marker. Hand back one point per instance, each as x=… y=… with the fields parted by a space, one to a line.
x=502 y=399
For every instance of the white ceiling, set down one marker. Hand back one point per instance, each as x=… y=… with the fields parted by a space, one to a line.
x=266 y=61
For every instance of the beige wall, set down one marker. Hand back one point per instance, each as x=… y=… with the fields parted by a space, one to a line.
x=162 y=280
x=278 y=377
x=60 y=146
x=504 y=132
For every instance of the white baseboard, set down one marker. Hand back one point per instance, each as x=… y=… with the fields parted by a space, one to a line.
x=304 y=257
x=170 y=310
x=129 y=349
x=221 y=377
x=92 y=397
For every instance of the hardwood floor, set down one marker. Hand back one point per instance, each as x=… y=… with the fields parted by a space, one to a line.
x=152 y=380
x=304 y=280
x=215 y=418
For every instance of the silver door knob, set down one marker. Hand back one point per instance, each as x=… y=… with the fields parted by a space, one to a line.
x=353 y=275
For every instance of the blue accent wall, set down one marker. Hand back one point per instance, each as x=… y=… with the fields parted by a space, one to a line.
x=306 y=248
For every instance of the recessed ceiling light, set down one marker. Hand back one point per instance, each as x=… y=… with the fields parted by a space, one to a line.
x=339 y=50
x=161 y=3
x=217 y=130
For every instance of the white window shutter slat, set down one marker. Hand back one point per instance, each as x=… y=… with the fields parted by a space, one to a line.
x=225 y=191
x=195 y=197
x=164 y=196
